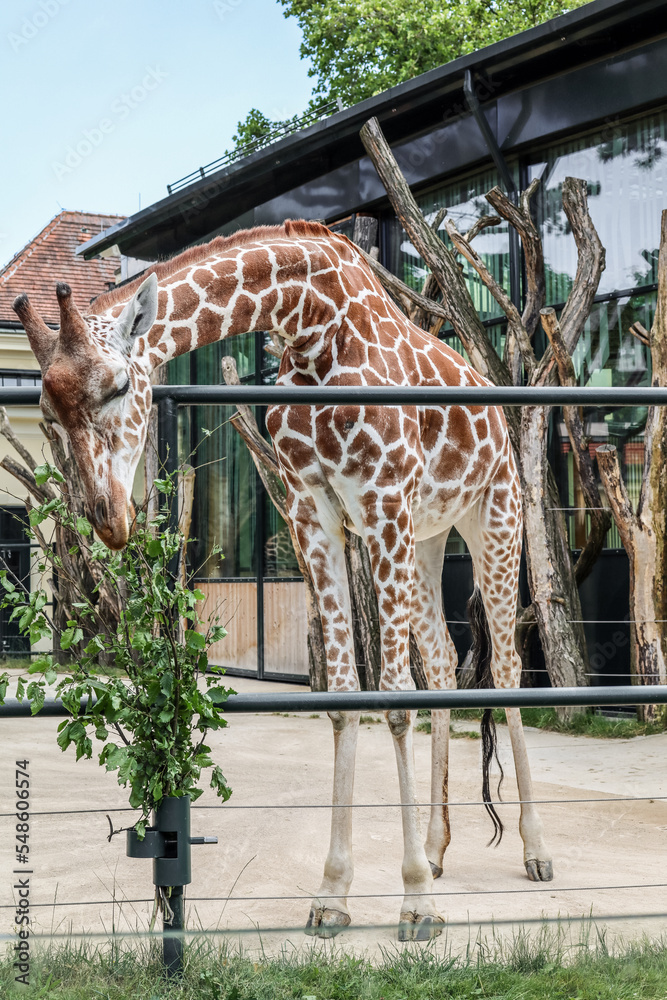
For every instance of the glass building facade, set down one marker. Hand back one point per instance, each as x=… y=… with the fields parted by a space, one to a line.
x=625 y=166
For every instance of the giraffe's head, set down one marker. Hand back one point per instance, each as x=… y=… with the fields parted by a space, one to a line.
x=96 y=387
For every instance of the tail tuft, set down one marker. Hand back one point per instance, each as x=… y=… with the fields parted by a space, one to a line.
x=482 y=651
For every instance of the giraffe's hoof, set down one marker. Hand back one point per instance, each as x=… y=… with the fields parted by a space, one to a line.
x=326 y=923
x=419 y=927
x=540 y=871
x=436 y=869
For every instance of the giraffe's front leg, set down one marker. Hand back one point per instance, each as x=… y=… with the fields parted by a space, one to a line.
x=419 y=918
x=392 y=552
x=329 y=912
x=324 y=553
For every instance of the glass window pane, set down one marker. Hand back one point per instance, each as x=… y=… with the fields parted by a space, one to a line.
x=465 y=203
x=279 y=558
x=626 y=170
x=608 y=355
x=225 y=497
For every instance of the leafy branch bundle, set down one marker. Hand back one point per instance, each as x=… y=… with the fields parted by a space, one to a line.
x=154 y=705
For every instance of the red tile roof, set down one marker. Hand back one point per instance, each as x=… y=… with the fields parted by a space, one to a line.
x=50 y=257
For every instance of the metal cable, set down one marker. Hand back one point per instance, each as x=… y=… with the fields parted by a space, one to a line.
x=582 y=621
x=357 y=805
x=218 y=932
x=363 y=895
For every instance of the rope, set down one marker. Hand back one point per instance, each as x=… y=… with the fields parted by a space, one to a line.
x=359 y=805
x=367 y=895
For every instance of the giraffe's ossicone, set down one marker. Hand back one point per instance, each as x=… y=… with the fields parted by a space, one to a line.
x=401 y=477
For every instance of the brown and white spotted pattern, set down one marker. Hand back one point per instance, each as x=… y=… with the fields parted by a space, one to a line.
x=399 y=477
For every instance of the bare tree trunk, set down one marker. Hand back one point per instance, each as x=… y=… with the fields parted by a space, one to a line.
x=549 y=562
x=646 y=555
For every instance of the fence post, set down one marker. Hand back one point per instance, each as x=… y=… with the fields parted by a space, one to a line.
x=172 y=942
x=168 y=843
x=167 y=447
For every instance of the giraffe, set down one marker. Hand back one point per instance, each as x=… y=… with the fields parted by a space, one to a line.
x=401 y=477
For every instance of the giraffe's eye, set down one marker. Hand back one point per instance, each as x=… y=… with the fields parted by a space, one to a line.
x=119 y=392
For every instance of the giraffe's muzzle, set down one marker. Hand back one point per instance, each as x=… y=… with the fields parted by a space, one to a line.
x=112 y=522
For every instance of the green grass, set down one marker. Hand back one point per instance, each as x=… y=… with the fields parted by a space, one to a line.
x=585 y=723
x=22 y=663
x=527 y=968
x=424 y=726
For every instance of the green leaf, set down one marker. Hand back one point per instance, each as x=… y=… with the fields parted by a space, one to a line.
x=96 y=645
x=83 y=526
x=45 y=472
x=195 y=640
x=113 y=757
x=166 y=486
x=218 y=695
x=39 y=514
x=167 y=682
x=35 y=695
x=41 y=663
x=70 y=637
x=219 y=783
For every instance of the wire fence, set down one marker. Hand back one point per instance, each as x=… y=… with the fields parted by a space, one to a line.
x=382 y=700
x=300 y=702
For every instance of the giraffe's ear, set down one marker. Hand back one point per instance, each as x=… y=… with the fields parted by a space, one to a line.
x=140 y=312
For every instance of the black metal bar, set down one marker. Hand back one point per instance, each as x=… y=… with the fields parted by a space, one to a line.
x=172 y=941
x=404 y=395
x=260 y=513
x=352 y=701
x=167 y=447
x=487 y=133
x=506 y=178
x=167 y=433
x=381 y=395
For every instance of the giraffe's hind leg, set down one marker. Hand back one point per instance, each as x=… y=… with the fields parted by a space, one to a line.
x=493 y=532
x=439 y=655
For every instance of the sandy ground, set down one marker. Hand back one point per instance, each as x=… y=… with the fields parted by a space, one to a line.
x=267 y=852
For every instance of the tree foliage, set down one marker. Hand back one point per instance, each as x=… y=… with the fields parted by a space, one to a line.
x=153 y=711
x=257 y=129
x=358 y=48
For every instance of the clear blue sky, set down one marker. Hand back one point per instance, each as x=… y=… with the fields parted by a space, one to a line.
x=147 y=89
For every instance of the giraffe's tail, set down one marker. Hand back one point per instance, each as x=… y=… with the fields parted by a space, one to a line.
x=481 y=661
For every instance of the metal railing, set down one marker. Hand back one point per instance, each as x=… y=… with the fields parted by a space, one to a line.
x=296 y=124
x=383 y=395
x=384 y=701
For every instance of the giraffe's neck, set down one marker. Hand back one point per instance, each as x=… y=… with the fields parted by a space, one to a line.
x=289 y=287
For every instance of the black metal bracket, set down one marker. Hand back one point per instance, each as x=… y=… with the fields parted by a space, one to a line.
x=506 y=177
x=168 y=843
